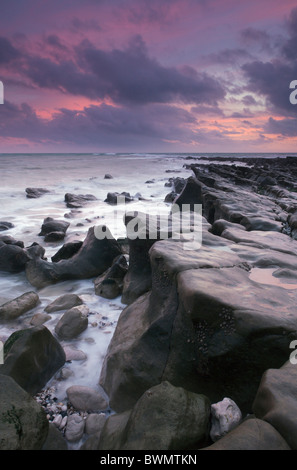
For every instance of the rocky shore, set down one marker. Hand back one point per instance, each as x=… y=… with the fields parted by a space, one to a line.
x=201 y=356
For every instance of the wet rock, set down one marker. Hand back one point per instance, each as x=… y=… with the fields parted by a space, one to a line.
x=251 y=434
x=73 y=354
x=107 y=176
x=5 y=225
x=75 y=428
x=8 y=240
x=155 y=421
x=76 y=201
x=34 y=193
x=93 y=258
x=86 y=398
x=115 y=198
x=72 y=323
x=17 y=307
x=13 y=258
x=276 y=403
x=110 y=284
x=67 y=251
x=55 y=439
x=95 y=423
x=39 y=319
x=64 y=302
x=51 y=225
x=23 y=423
x=225 y=416
x=31 y=357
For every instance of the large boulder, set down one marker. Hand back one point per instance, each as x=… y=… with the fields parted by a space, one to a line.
x=31 y=357
x=93 y=258
x=85 y=398
x=276 y=401
x=216 y=341
x=17 y=307
x=67 y=251
x=164 y=418
x=23 y=422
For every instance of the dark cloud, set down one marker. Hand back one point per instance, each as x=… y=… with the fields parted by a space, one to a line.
x=228 y=56
x=256 y=37
x=272 y=80
x=285 y=127
x=8 y=52
x=290 y=47
x=100 y=125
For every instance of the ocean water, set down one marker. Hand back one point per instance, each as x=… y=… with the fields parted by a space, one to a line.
x=82 y=174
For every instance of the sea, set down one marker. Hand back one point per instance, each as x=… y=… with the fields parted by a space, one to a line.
x=139 y=174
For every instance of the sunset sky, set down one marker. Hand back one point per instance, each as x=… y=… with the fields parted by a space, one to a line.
x=148 y=75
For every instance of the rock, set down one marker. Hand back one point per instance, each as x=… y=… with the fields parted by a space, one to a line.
x=8 y=240
x=164 y=418
x=54 y=440
x=251 y=434
x=31 y=358
x=72 y=323
x=17 y=307
x=5 y=226
x=86 y=398
x=138 y=279
x=54 y=237
x=91 y=443
x=51 y=225
x=225 y=416
x=276 y=403
x=107 y=176
x=67 y=251
x=75 y=428
x=73 y=354
x=13 y=258
x=95 y=423
x=39 y=319
x=23 y=422
x=213 y=341
x=191 y=193
x=110 y=284
x=115 y=198
x=75 y=201
x=34 y=193
x=64 y=302
x=93 y=258
x=111 y=436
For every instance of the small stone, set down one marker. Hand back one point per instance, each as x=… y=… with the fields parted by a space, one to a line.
x=225 y=416
x=57 y=421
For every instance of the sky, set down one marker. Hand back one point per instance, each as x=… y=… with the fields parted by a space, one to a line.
x=184 y=76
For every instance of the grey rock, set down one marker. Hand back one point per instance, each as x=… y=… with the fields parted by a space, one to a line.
x=64 y=302
x=18 y=306
x=72 y=323
x=85 y=398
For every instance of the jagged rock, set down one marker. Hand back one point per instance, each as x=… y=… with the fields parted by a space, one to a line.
x=31 y=357
x=67 y=251
x=17 y=307
x=110 y=284
x=164 y=418
x=34 y=193
x=93 y=258
x=23 y=422
x=76 y=201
